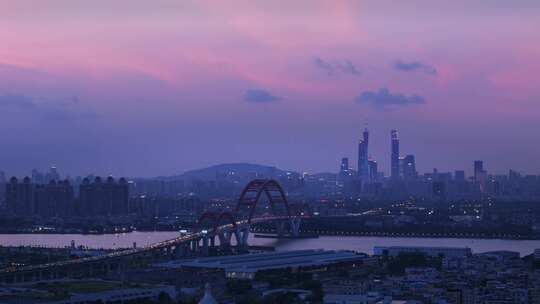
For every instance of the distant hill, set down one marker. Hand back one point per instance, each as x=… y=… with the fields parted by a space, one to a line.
x=239 y=169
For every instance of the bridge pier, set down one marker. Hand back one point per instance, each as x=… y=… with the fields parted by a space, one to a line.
x=295 y=226
x=225 y=239
x=228 y=237
x=280 y=228
x=194 y=244
x=242 y=235
x=238 y=236
x=245 y=236
x=223 y=243
x=205 y=250
x=180 y=251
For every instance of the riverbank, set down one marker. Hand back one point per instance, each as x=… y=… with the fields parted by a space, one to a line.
x=311 y=233
x=457 y=235
x=336 y=242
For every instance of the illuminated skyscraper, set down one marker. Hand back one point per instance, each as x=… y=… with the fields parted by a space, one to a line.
x=52 y=175
x=373 y=170
x=395 y=155
x=363 y=162
x=344 y=167
x=409 y=168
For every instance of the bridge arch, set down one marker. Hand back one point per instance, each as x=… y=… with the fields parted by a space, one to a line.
x=220 y=225
x=207 y=217
x=183 y=245
x=228 y=217
x=253 y=191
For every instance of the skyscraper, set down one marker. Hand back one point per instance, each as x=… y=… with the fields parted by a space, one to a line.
x=344 y=167
x=52 y=175
x=409 y=167
x=478 y=169
x=480 y=175
x=363 y=162
x=373 y=170
x=395 y=155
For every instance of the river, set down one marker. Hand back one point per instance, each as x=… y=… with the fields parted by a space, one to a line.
x=362 y=244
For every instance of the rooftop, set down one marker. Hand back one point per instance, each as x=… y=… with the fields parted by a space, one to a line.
x=265 y=261
x=44 y=292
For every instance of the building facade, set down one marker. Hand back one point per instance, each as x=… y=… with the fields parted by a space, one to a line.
x=394 y=161
x=99 y=198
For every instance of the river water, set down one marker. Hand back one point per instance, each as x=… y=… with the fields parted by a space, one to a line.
x=362 y=244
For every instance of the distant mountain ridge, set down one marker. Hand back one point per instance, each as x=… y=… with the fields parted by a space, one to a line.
x=241 y=169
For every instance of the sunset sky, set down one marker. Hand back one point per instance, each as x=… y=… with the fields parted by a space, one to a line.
x=146 y=88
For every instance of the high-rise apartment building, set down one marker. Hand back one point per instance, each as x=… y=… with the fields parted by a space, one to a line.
x=104 y=198
x=459 y=176
x=54 y=199
x=57 y=199
x=20 y=196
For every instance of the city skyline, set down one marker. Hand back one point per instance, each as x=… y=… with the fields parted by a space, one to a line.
x=364 y=161
x=148 y=89
x=203 y=151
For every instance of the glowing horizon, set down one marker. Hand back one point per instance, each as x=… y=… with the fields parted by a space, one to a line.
x=142 y=88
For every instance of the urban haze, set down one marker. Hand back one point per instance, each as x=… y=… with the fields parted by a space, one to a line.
x=336 y=152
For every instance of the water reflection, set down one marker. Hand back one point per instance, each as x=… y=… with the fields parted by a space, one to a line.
x=363 y=244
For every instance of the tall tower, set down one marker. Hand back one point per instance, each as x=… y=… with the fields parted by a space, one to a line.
x=373 y=170
x=480 y=175
x=363 y=161
x=395 y=155
x=478 y=169
x=409 y=167
x=344 y=167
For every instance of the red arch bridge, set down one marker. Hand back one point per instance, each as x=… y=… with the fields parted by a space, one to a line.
x=261 y=201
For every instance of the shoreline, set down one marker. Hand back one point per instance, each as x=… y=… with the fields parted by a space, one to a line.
x=361 y=243
x=479 y=236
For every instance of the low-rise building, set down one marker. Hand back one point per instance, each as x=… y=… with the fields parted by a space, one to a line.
x=246 y=266
x=428 y=251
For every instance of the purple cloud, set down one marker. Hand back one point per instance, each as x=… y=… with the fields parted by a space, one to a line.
x=383 y=98
x=334 y=67
x=260 y=96
x=23 y=106
x=414 y=66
